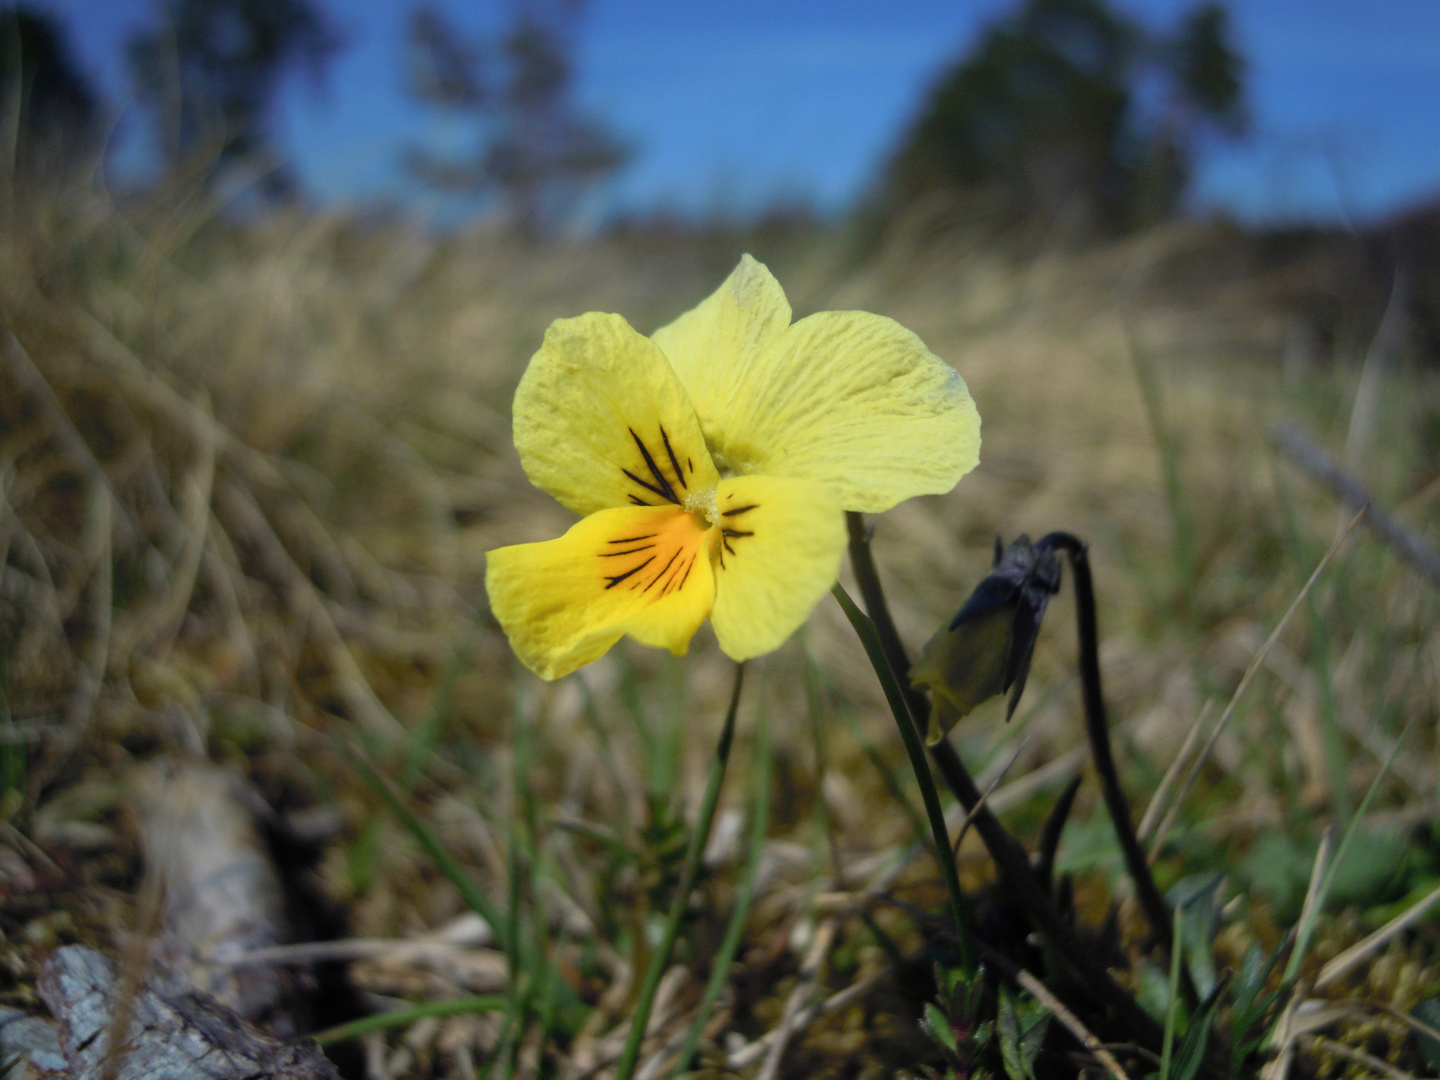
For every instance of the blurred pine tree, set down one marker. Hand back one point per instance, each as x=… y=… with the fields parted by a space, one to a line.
x=1070 y=114
x=50 y=115
x=210 y=72
x=537 y=153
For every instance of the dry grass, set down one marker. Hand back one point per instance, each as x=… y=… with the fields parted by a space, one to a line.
x=249 y=477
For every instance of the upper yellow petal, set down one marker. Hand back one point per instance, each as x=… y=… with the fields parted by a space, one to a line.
x=739 y=319
x=601 y=419
x=639 y=570
x=779 y=551
x=852 y=400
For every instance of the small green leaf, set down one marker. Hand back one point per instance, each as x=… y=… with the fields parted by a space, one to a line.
x=1248 y=980
x=937 y=1026
x=1279 y=867
x=1021 y=1022
x=983 y=1033
x=1367 y=872
x=1428 y=1012
x=1153 y=993
x=1198 y=900
x=1009 y=1028
x=1090 y=843
x=1192 y=1051
x=1249 y=1003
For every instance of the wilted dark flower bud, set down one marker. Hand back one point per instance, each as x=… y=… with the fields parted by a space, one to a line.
x=986 y=649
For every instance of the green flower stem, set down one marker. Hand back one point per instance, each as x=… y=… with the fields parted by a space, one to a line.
x=720 y=970
x=631 y=1053
x=1010 y=858
x=404 y=1017
x=868 y=578
x=865 y=630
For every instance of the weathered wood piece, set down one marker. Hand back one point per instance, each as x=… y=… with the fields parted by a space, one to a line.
x=172 y=1032
x=222 y=895
x=29 y=1048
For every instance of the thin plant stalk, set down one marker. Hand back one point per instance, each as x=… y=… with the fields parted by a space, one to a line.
x=427 y=734
x=959 y=909
x=1159 y=798
x=720 y=971
x=1097 y=727
x=1010 y=858
x=1337 y=763
x=817 y=731
x=1256 y=661
x=469 y=890
x=868 y=579
x=518 y=984
x=1341 y=964
x=526 y=955
x=1182 y=521
x=625 y=1069
x=607 y=753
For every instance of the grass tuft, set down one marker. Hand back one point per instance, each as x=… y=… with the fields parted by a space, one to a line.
x=248 y=474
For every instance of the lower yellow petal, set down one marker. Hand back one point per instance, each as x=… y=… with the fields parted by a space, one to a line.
x=642 y=571
x=777 y=554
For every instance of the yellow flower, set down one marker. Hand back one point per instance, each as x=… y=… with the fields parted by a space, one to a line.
x=712 y=464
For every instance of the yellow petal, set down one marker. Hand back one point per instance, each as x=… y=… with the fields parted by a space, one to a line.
x=778 y=553
x=739 y=319
x=641 y=571
x=852 y=400
x=601 y=419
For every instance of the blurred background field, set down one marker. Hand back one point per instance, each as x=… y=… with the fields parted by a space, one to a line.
x=254 y=447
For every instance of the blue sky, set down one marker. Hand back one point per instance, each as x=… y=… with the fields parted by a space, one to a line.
x=732 y=105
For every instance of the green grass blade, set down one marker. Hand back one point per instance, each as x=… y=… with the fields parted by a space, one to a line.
x=1182 y=521
x=1321 y=651
x=470 y=891
x=596 y=724
x=520 y=958
x=427 y=733
x=1191 y=1055
x=404 y=1017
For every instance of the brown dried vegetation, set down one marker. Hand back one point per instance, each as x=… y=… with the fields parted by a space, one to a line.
x=248 y=475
